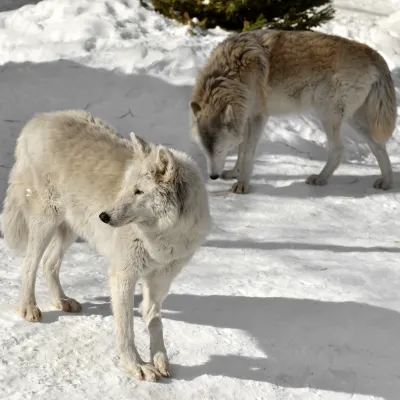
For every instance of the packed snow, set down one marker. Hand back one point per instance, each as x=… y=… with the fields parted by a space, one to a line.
x=296 y=293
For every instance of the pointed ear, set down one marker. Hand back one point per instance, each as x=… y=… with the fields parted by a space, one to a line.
x=139 y=144
x=229 y=116
x=164 y=163
x=196 y=108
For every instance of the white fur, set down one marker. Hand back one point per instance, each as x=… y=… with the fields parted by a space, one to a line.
x=74 y=167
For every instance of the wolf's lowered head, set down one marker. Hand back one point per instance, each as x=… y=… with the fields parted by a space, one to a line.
x=149 y=193
x=217 y=129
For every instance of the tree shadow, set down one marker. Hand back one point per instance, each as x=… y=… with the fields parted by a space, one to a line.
x=338 y=186
x=147 y=105
x=9 y=5
x=271 y=246
x=343 y=347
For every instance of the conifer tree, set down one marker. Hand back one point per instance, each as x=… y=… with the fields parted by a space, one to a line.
x=241 y=15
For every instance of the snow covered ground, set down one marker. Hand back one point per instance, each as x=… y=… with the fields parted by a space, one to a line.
x=296 y=294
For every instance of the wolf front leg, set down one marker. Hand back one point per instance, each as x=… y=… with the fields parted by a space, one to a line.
x=155 y=288
x=252 y=137
x=123 y=282
x=234 y=172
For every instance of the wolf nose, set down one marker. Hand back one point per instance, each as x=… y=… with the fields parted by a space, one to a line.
x=105 y=217
x=214 y=177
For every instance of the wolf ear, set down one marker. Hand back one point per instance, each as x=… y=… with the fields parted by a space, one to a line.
x=164 y=164
x=196 y=108
x=139 y=144
x=229 y=116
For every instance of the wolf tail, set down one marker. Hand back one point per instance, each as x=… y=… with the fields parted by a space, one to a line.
x=381 y=106
x=12 y=221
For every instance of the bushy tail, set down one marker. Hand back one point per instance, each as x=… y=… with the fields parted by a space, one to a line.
x=381 y=107
x=13 y=223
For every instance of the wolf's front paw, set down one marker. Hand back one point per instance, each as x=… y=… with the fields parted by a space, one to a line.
x=161 y=362
x=240 y=187
x=382 y=183
x=316 y=180
x=144 y=372
x=67 y=305
x=31 y=313
x=230 y=174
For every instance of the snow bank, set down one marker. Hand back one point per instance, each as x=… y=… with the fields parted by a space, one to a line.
x=116 y=34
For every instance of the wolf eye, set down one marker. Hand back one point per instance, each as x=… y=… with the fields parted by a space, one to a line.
x=137 y=192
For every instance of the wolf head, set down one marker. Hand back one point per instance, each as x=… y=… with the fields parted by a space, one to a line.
x=152 y=192
x=217 y=131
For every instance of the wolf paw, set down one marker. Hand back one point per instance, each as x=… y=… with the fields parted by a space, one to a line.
x=383 y=184
x=240 y=188
x=67 y=305
x=144 y=372
x=162 y=364
x=316 y=180
x=230 y=174
x=31 y=313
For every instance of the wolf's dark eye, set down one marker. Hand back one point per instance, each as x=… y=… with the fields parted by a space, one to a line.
x=137 y=192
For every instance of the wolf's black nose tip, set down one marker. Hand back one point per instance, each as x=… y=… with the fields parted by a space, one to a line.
x=214 y=177
x=105 y=217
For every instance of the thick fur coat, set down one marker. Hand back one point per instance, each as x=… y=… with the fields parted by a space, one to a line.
x=251 y=76
x=143 y=207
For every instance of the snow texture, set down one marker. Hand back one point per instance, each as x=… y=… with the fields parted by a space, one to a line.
x=295 y=295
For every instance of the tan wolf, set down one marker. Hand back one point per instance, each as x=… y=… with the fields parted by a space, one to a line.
x=143 y=207
x=251 y=76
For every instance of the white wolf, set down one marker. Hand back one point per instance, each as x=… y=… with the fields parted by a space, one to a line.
x=143 y=207
x=251 y=76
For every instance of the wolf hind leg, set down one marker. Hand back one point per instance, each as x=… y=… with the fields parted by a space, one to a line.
x=359 y=123
x=331 y=123
x=42 y=225
x=52 y=260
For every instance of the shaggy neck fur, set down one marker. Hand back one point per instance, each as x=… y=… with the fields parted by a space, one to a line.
x=179 y=236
